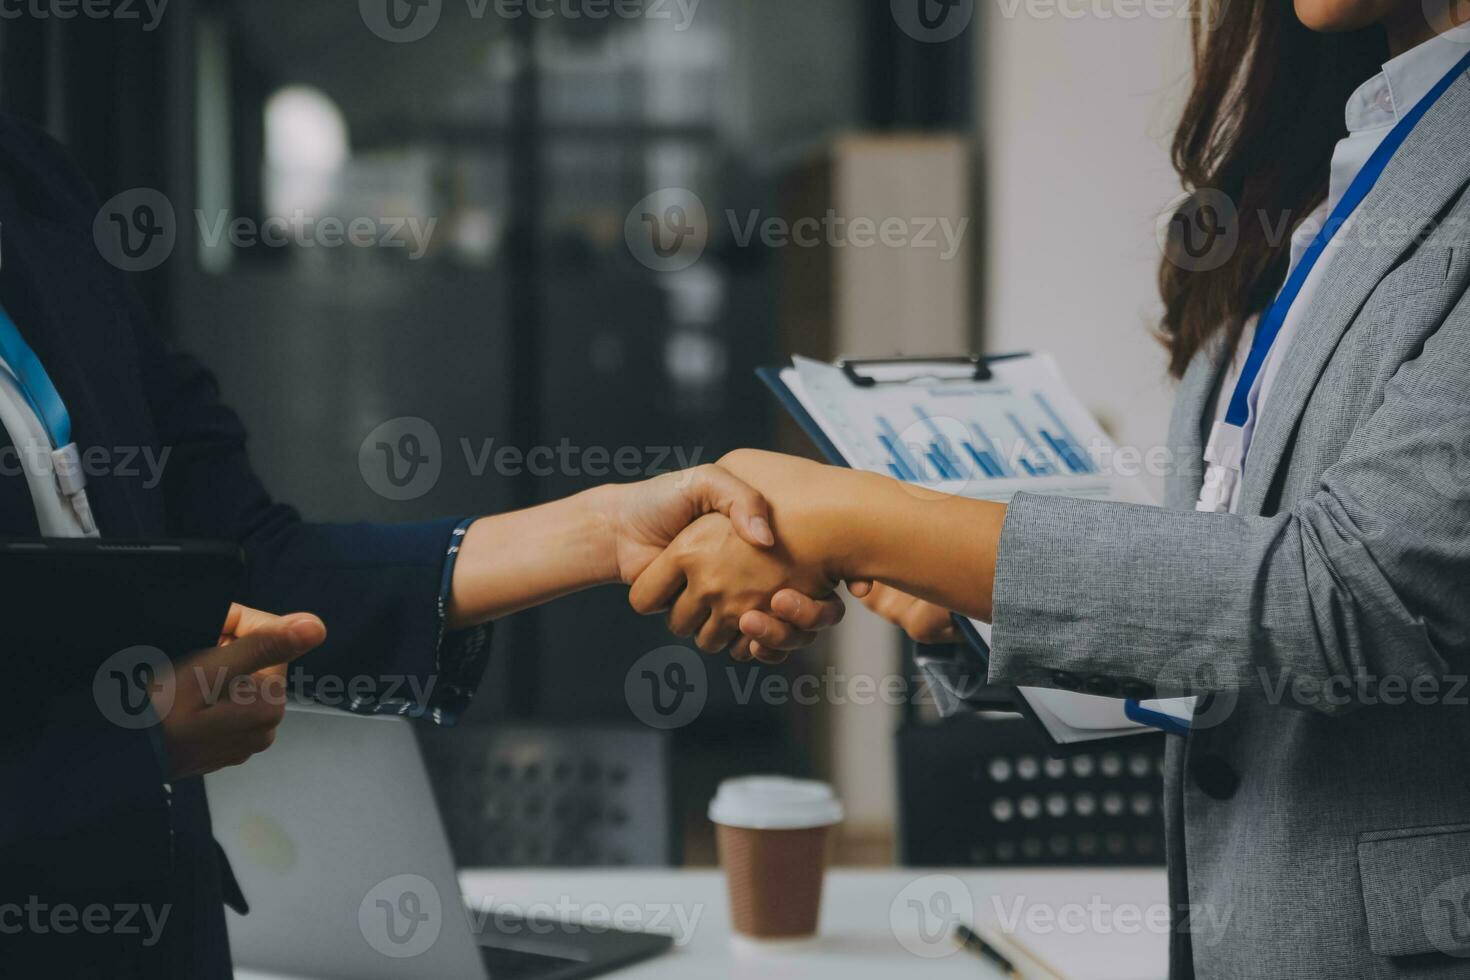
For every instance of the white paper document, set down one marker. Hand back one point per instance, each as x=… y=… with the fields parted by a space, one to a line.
x=1022 y=429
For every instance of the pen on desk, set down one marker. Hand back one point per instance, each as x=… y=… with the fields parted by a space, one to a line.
x=969 y=940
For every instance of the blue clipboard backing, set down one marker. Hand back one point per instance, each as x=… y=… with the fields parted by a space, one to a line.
x=772 y=378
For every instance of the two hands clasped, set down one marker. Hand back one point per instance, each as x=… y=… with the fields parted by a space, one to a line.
x=746 y=555
x=764 y=600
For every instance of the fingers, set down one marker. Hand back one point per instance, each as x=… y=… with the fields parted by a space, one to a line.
x=923 y=621
x=244 y=621
x=931 y=625
x=797 y=619
x=774 y=634
x=740 y=651
x=232 y=619
x=231 y=698
x=659 y=585
x=271 y=683
x=767 y=656
x=688 y=616
x=716 y=634
x=240 y=704
x=805 y=612
x=859 y=589
x=746 y=650
x=718 y=490
x=270 y=641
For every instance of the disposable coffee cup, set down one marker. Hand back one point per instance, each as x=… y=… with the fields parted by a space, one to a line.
x=772 y=835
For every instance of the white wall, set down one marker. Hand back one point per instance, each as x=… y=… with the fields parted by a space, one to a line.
x=1076 y=115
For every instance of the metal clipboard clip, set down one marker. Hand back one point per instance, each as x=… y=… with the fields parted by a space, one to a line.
x=976 y=368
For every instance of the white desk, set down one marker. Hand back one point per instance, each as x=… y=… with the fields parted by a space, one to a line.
x=1107 y=925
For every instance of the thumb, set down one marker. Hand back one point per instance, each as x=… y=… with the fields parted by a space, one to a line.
x=860 y=589
x=268 y=645
x=717 y=489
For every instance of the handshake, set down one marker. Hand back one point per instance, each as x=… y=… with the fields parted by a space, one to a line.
x=746 y=555
x=762 y=581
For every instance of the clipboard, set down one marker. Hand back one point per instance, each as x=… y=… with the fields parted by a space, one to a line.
x=859 y=373
x=1069 y=722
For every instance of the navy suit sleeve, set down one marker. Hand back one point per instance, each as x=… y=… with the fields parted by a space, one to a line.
x=381 y=589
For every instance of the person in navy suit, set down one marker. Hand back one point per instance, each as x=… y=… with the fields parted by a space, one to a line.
x=107 y=862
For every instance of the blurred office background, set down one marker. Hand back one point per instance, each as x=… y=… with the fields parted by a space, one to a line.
x=530 y=320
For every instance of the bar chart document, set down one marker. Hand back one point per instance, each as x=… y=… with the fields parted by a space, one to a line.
x=1019 y=429
x=1022 y=429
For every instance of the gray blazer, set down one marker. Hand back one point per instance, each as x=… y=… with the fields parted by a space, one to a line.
x=1319 y=814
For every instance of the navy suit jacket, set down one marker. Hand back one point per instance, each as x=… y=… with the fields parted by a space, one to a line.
x=85 y=816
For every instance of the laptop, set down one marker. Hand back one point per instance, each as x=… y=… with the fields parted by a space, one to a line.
x=340 y=851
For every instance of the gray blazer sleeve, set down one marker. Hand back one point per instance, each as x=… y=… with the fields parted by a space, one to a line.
x=1362 y=584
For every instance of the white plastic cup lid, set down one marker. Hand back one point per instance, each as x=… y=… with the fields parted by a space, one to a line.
x=775 y=803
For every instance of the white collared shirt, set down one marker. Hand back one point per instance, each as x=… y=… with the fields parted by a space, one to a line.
x=1372 y=112
x=54 y=514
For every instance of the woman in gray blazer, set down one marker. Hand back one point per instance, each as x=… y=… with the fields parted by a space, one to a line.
x=1310 y=574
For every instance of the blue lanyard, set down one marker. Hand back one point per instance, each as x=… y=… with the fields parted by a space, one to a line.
x=1239 y=411
x=35 y=383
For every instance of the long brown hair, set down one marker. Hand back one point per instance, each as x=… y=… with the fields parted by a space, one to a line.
x=1257 y=133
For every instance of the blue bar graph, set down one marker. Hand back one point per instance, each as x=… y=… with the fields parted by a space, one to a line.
x=1009 y=434
x=1067 y=454
x=1038 y=465
x=894 y=444
x=983 y=460
x=954 y=467
x=949 y=466
x=993 y=451
x=898 y=462
x=1074 y=450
